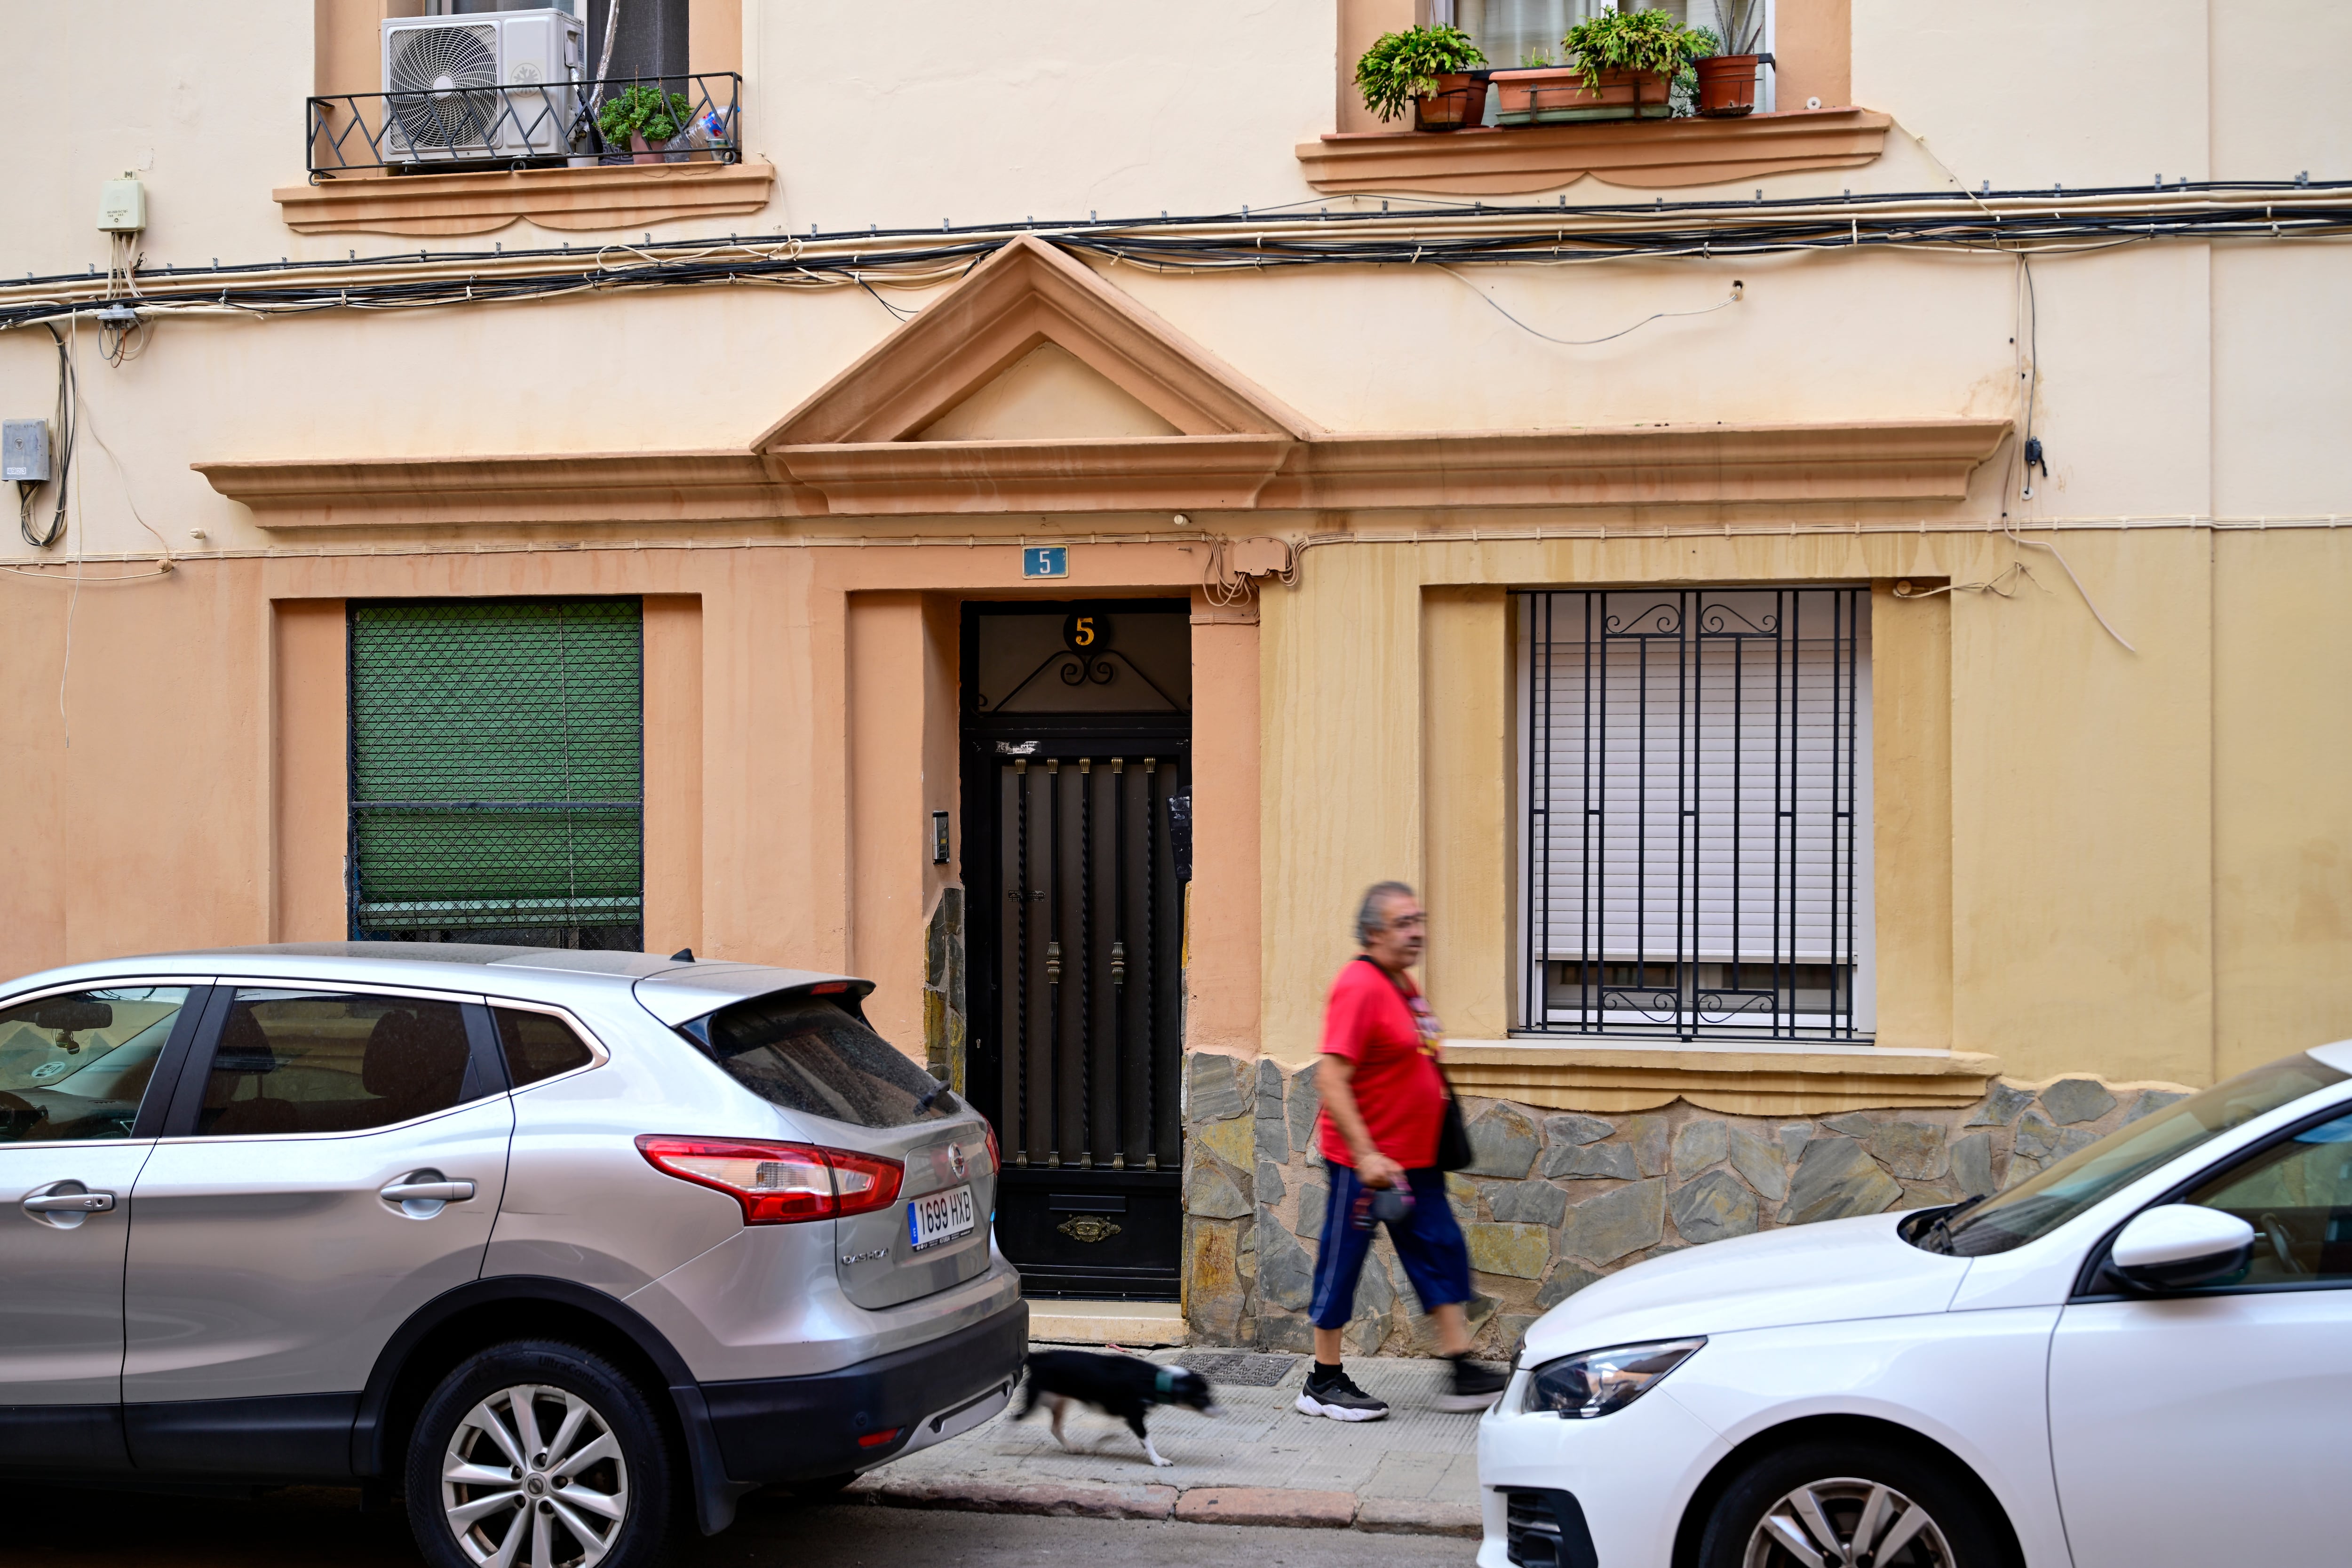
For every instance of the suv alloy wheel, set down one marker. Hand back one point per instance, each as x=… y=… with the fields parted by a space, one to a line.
x=543 y=1439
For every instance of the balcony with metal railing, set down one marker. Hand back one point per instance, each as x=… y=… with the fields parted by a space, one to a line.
x=459 y=127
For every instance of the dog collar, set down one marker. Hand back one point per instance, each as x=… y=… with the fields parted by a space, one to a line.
x=1167 y=1380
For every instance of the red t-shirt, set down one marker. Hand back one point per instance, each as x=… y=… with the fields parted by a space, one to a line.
x=1369 y=1021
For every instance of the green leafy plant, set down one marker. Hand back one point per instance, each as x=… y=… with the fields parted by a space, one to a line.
x=1537 y=60
x=1398 y=66
x=1739 y=27
x=1628 y=40
x=646 y=112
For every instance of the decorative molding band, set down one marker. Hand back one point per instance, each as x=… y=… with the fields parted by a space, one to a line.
x=1162 y=473
x=1663 y=465
x=683 y=488
x=571 y=199
x=1732 y=1081
x=1911 y=460
x=1649 y=154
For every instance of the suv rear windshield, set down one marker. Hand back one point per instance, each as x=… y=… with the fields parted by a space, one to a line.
x=806 y=1052
x=2036 y=1207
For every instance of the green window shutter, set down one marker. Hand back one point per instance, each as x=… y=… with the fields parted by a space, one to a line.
x=497 y=769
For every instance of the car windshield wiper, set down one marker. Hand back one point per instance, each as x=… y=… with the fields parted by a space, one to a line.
x=1938 y=1237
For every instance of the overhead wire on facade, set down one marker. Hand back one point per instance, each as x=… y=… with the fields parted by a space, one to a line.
x=1737 y=290
x=2078 y=222
x=1593 y=534
x=68 y=409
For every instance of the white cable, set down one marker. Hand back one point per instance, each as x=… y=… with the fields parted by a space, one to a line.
x=1579 y=342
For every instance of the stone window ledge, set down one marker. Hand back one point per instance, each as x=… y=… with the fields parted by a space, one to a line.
x=1646 y=154
x=1736 y=1079
x=624 y=198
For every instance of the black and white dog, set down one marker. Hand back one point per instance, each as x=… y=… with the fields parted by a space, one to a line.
x=1121 y=1385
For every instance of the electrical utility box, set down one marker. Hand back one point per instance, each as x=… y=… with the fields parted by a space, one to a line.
x=25 y=451
x=122 y=206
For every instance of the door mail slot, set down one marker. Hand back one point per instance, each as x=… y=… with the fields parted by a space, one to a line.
x=1086 y=1202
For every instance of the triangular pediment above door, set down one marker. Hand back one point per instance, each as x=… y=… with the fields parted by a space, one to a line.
x=1047 y=394
x=1026 y=296
x=1034 y=385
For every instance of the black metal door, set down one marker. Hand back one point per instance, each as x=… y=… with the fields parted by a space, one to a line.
x=1078 y=926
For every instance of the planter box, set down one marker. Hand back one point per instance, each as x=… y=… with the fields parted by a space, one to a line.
x=1558 y=96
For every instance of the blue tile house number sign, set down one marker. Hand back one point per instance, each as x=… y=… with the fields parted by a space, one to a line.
x=1045 y=561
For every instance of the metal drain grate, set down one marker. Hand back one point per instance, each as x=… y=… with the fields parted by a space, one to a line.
x=1239 y=1368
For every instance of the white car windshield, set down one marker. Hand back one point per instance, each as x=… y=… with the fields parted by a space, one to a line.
x=2036 y=1207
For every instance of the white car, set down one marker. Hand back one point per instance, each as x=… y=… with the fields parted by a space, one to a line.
x=2141 y=1356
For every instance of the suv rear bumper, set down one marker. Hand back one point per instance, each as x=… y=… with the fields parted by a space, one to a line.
x=773 y=1430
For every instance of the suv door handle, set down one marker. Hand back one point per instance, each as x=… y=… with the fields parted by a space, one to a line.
x=47 y=1201
x=406 y=1191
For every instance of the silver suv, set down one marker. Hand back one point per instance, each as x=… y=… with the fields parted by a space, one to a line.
x=563 y=1246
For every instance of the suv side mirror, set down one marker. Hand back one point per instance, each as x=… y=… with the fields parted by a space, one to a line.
x=2179 y=1245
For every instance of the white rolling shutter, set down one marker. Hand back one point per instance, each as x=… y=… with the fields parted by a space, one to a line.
x=1696 y=809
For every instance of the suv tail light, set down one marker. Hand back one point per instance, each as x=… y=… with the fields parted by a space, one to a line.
x=778 y=1184
x=995 y=1158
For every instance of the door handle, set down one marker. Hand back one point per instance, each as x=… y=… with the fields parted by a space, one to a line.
x=69 y=1203
x=406 y=1191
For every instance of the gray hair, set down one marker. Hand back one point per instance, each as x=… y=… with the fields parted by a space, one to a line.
x=1370 y=919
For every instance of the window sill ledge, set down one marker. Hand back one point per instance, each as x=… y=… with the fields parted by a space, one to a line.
x=1734 y=1077
x=569 y=199
x=1649 y=154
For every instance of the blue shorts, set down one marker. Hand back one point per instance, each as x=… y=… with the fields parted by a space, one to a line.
x=1428 y=1243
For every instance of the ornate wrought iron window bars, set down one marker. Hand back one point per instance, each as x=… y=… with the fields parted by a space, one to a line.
x=1695 y=792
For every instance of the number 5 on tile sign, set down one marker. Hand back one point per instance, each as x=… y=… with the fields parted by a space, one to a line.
x=1045 y=561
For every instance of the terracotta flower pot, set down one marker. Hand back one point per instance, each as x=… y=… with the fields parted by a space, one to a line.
x=1726 y=85
x=643 y=153
x=1459 y=101
x=1621 y=95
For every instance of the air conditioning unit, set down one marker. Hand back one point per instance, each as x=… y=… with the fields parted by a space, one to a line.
x=494 y=85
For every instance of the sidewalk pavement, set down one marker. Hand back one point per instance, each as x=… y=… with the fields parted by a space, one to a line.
x=1257 y=1461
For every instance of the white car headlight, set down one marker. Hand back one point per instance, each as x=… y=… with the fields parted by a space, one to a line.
x=1594 y=1382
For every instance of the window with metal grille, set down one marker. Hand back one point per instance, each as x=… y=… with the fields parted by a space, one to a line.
x=498 y=771
x=1695 y=791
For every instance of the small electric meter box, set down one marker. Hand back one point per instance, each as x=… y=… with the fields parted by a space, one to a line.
x=25 y=451
x=122 y=206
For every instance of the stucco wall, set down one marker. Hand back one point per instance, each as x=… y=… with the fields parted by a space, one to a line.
x=2087 y=859
x=2123 y=847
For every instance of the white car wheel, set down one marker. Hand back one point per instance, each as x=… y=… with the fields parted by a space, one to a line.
x=1846 y=1520
x=1842 y=1504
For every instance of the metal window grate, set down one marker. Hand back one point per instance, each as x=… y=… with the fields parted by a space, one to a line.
x=497 y=771
x=1240 y=1369
x=1696 y=790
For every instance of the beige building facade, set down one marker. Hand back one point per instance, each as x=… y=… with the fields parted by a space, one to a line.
x=1083 y=500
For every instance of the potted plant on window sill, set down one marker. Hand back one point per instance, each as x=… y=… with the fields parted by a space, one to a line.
x=1626 y=62
x=1525 y=93
x=645 y=119
x=1438 y=69
x=1728 y=70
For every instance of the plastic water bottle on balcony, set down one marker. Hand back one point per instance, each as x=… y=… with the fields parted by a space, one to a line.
x=710 y=131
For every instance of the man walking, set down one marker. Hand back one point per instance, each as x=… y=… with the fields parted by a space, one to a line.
x=1383 y=1103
